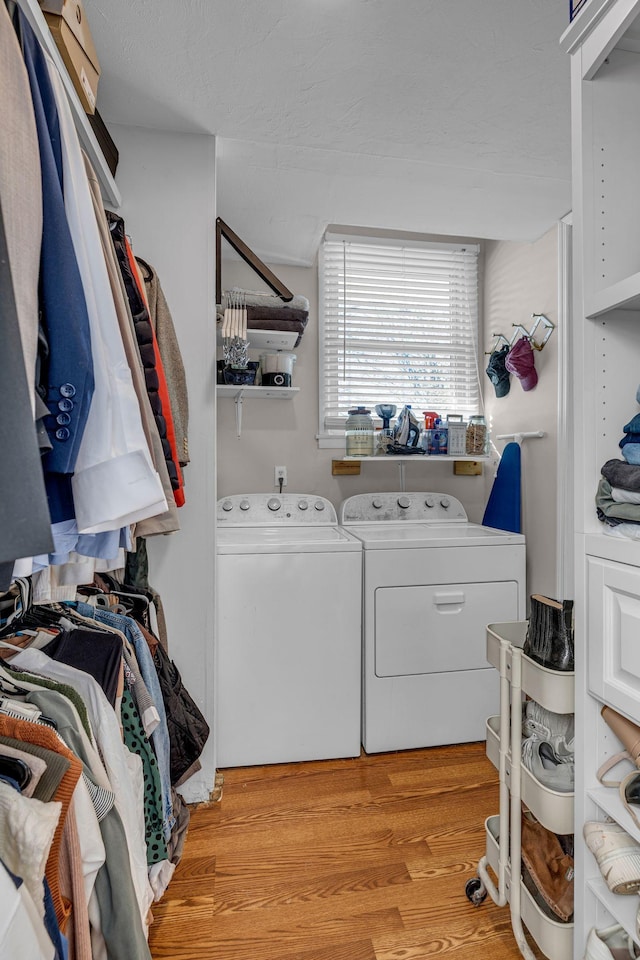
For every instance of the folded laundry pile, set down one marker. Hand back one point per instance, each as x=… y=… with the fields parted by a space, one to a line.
x=268 y=312
x=618 y=499
x=618 y=493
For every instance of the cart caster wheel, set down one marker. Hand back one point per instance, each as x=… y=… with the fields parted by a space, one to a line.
x=475 y=891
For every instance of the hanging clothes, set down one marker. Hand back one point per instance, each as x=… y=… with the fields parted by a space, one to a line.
x=169 y=347
x=149 y=352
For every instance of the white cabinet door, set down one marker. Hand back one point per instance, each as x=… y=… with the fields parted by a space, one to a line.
x=614 y=633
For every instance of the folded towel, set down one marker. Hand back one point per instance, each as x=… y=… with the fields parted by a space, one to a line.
x=621 y=474
x=254 y=298
x=634 y=424
x=629 y=438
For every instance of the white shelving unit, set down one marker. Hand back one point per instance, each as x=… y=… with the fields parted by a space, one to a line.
x=240 y=393
x=603 y=43
x=554 y=690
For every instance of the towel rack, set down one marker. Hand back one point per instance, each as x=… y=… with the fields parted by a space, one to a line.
x=520 y=330
x=247 y=254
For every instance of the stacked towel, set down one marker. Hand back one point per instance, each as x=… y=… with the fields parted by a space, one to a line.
x=630 y=443
x=267 y=312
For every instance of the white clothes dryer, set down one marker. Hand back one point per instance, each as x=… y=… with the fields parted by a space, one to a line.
x=289 y=628
x=432 y=582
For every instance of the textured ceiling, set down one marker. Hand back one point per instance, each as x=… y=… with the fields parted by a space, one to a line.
x=431 y=115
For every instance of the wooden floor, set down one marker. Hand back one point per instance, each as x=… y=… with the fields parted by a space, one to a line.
x=362 y=859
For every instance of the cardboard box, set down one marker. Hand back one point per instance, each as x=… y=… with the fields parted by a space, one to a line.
x=70 y=29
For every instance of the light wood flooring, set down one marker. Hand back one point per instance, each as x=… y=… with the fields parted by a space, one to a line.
x=362 y=859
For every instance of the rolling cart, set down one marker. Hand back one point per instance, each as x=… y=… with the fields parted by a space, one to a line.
x=554 y=690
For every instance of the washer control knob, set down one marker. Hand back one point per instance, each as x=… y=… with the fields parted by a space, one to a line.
x=244 y=505
x=445 y=502
x=227 y=506
x=429 y=502
x=274 y=504
x=303 y=505
x=319 y=504
x=404 y=502
x=376 y=504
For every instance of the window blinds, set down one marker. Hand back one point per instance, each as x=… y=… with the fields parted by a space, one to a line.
x=399 y=324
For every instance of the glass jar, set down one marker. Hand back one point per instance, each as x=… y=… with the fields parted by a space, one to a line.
x=359 y=433
x=477 y=444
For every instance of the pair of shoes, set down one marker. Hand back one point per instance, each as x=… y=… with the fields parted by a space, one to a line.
x=553 y=770
x=617 y=854
x=611 y=943
x=537 y=721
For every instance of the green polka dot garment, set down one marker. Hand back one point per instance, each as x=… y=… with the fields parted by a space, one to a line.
x=136 y=740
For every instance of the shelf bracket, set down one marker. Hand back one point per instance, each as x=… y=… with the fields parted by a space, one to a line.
x=238 y=402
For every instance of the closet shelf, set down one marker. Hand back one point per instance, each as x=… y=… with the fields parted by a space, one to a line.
x=624 y=909
x=624 y=295
x=110 y=192
x=617 y=549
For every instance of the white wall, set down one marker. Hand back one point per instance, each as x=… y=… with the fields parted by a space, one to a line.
x=168 y=189
x=522 y=279
x=284 y=431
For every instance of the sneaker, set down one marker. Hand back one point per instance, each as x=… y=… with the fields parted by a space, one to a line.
x=617 y=854
x=539 y=722
x=611 y=943
x=547 y=767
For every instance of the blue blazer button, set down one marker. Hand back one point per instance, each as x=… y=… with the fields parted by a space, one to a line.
x=67 y=390
x=62 y=433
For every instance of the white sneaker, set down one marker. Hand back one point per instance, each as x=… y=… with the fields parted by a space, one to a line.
x=539 y=722
x=617 y=854
x=611 y=943
x=556 y=772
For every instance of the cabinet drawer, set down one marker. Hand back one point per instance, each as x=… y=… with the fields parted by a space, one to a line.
x=613 y=640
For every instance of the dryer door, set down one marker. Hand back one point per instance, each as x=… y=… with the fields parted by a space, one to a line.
x=436 y=628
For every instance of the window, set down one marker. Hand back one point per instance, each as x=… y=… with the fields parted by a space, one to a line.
x=398 y=324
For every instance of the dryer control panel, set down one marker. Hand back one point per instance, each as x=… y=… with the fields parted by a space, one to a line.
x=275 y=509
x=401 y=507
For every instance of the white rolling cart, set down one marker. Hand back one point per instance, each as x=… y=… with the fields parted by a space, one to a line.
x=554 y=690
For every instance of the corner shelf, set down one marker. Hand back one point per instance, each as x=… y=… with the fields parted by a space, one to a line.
x=240 y=393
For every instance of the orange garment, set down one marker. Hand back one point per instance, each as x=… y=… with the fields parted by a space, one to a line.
x=46 y=737
x=163 y=390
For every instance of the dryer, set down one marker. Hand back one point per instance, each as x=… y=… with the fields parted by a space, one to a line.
x=289 y=627
x=432 y=581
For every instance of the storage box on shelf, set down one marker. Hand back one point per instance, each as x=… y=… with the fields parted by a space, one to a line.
x=520 y=676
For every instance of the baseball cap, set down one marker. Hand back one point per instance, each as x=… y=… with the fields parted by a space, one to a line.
x=497 y=372
x=521 y=363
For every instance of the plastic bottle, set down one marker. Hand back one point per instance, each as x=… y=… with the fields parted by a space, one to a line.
x=443 y=439
x=359 y=433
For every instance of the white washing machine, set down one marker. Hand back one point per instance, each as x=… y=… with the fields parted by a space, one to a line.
x=289 y=629
x=432 y=582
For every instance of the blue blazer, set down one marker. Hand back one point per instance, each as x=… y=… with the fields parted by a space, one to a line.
x=67 y=367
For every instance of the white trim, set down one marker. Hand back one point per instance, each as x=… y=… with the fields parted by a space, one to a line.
x=398 y=242
x=564 y=493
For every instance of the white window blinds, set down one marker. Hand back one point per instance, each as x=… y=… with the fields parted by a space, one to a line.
x=399 y=324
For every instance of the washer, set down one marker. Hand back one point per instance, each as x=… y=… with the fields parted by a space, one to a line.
x=432 y=581
x=289 y=629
